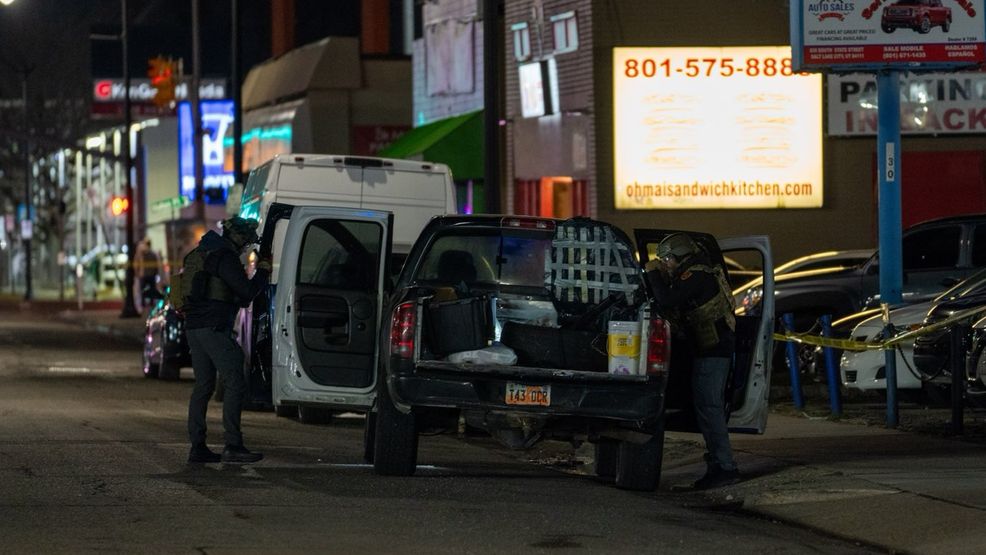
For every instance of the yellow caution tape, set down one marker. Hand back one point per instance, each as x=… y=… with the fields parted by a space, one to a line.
x=851 y=345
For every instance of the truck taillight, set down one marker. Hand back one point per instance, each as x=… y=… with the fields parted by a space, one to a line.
x=658 y=347
x=402 y=330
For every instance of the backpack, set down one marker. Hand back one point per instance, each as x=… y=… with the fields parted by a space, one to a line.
x=181 y=281
x=195 y=281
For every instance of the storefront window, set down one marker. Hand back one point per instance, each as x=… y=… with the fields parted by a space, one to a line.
x=551 y=197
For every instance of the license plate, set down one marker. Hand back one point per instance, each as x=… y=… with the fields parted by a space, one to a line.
x=520 y=394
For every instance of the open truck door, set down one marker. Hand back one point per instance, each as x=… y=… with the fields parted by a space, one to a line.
x=326 y=307
x=748 y=387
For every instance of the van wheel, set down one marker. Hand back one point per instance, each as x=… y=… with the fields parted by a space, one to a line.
x=607 y=457
x=286 y=411
x=369 y=433
x=395 y=443
x=313 y=415
x=638 y=466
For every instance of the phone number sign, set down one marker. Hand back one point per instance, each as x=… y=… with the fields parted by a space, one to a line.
x=875 y=34
x=715 y=128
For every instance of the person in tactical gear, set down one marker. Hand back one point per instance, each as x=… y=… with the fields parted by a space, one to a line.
x=213 y=296
x=688 y=284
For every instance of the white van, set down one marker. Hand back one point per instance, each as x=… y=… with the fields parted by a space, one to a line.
x=312 y=211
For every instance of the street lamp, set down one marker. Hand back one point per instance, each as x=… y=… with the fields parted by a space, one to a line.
x=6 y=2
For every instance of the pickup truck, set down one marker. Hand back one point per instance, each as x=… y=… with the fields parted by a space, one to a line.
x=502 y=321
x=920 y=15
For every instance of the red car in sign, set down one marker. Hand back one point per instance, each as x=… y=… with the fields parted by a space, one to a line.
x=920 y=15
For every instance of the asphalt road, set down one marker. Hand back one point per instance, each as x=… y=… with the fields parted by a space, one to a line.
x=92 y=458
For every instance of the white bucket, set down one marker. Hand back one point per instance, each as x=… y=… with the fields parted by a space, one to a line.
x=623 y=347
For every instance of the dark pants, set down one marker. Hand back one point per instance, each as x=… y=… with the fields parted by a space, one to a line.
x=214 y=351
x=708 y=390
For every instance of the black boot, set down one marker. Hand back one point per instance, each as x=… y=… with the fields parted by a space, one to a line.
x=240 y=454
x=716 y=477
x=200 y=453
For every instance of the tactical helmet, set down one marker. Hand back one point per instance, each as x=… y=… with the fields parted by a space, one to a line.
x=241 y=231
x=679 y=245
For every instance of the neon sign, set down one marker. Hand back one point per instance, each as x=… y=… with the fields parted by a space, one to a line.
x=217 y=166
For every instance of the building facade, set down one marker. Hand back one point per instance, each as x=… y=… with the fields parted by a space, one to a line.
x=568 y=106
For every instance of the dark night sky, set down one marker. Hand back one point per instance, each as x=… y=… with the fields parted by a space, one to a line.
x=53 y=36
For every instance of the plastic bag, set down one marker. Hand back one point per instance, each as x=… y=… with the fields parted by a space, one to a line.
x=497 y=353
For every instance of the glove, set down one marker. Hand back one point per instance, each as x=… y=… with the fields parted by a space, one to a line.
x=659 y=266
x=265 y=264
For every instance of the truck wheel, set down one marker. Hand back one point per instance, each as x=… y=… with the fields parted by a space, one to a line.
x=395 y=445
x=638 y=467
x=607 y=457
x=369 y=433
x=946 y=25
x=925 y=27
x=888 y=29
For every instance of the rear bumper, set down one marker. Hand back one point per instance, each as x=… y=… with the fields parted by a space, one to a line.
x=629 y=399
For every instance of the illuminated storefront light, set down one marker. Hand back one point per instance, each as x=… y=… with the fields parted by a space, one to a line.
x=729 y=127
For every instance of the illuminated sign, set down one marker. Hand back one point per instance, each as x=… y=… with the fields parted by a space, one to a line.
x=831 y=34
x=535 y=89
x=729 y=127
x=930 y=103
x=217 y=118
x=141 y=90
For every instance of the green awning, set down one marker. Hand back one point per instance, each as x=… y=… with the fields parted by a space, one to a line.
x=456 y=141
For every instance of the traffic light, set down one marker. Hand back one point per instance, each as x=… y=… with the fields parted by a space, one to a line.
x=119 y=205
x=163 y=74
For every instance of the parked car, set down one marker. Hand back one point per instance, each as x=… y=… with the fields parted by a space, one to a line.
x=937 y=254
x=931 y=351
x=975 y=378
x=503 y=320
x=866 y=370
x=919 y=15
x=165 y=347
x=748 y=295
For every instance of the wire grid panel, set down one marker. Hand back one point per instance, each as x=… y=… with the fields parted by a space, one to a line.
x=588 y=263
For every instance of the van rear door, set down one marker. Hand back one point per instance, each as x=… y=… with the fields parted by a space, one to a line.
x=749 y=384
x=327 y=307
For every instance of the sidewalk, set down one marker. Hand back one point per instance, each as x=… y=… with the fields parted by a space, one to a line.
x=899 y=491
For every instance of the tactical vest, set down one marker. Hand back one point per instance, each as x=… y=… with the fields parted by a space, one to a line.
x=701 y=320
x=198 y=280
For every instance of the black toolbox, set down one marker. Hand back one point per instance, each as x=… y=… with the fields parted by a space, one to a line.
x=546 y=347
x=461 y=325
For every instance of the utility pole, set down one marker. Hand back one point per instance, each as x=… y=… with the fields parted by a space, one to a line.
x=27 y=226
x=234 y=82
x=491 y=104
x=193 y=98
x=129 y=310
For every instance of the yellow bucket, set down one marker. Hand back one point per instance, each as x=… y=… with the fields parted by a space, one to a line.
x=623 y=347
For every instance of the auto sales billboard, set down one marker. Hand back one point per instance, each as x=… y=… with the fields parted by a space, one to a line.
x=870 y=34
x=715 y=127
x=930 y=104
